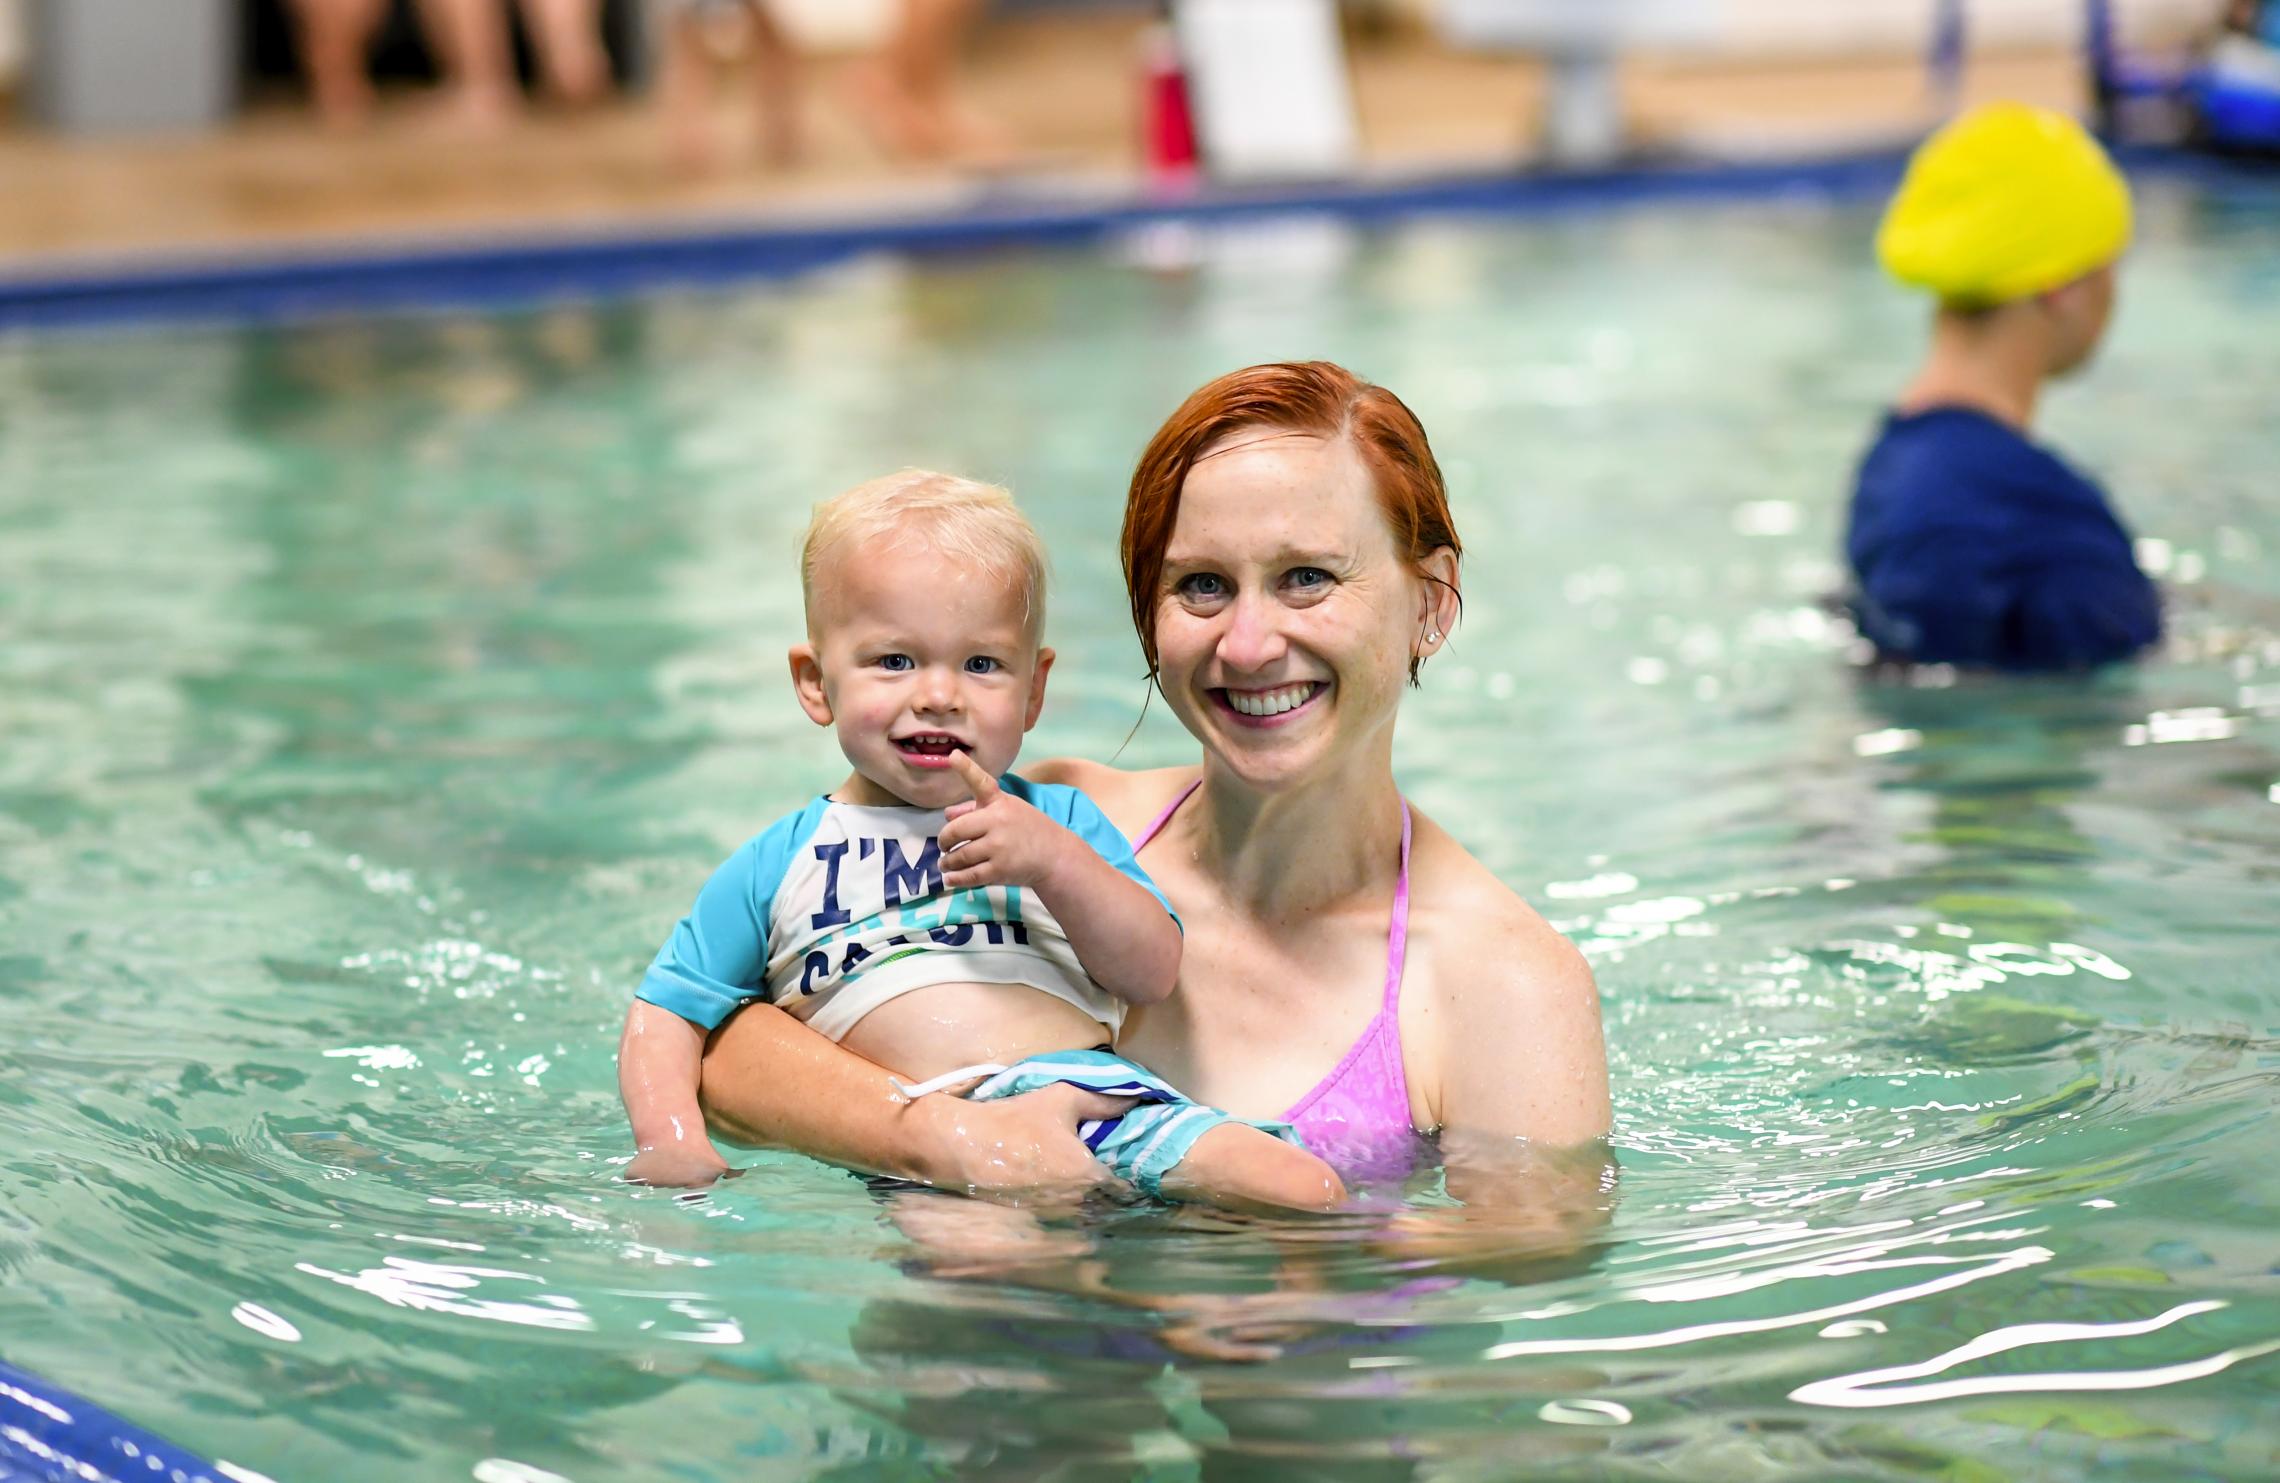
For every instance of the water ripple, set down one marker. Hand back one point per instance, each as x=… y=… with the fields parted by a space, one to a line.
x=377 y=692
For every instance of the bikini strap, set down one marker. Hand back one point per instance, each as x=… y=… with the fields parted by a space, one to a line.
x=1397 y=937
x=1173 y=807
x=1397 y=934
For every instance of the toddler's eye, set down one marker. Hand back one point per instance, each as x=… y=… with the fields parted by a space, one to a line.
x=895 y=663
x=983 y=664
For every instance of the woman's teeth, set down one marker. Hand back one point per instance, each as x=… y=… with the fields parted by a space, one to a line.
x=1271 y=702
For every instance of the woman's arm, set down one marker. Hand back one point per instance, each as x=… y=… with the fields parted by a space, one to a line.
x=1528 y=1215
x=770 y=1081
x=1521 y=1095
x=1521 y=1050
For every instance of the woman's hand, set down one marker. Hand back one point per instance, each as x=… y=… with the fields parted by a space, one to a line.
x=1528 y=1213
x=1016 y=1144
x=771 y=1081
x=1233 y=1328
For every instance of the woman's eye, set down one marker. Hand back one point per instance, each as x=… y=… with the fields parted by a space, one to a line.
x=895 y=663
x=983 y=664
x=1203 y=587
x=1308 y=577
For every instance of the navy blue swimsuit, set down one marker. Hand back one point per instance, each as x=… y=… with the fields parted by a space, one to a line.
x=1972 y=545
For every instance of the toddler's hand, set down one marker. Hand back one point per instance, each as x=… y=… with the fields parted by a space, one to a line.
x=677 y=1166
x=998 y=840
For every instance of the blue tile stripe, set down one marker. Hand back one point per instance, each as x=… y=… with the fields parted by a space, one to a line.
x=510 y=272
x=49 y=1435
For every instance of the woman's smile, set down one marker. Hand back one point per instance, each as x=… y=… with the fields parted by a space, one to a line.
x=1271 y=707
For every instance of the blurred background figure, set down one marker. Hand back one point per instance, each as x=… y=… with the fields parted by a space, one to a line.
x=695 y=39
x=2257 y=18
x=333 y=35
x=873 y=94
x=910 y=94
x=2234 y=94
x=904 y=87
x=2247 y=49
x=1972 y=544
x=473 y=51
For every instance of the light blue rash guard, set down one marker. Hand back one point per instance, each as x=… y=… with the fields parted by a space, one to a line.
x=833 y=910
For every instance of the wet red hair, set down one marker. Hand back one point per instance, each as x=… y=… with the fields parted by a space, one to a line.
x=1313 y=397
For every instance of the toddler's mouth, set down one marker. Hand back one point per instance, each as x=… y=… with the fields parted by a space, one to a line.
x=931 y=748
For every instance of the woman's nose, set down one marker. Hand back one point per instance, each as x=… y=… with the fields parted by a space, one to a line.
x=1253 y=638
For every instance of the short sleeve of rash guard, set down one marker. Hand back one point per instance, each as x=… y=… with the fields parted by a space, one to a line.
x=717 y=958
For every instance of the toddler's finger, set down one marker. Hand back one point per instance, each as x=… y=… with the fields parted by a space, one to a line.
x=959 y=833
x=985 y=788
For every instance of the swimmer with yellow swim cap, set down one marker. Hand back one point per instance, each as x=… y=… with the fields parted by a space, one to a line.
x=1970 y=543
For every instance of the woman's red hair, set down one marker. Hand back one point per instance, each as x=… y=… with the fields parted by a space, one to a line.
x=1312 y=397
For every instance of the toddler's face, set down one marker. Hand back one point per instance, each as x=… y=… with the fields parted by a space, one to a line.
x=912 y=658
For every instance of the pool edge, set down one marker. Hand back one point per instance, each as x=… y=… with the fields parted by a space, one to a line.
x=52 y=1427
x=503 y=270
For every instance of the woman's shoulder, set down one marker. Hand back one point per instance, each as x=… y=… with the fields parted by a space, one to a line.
x=1516 y=1045
x=1130 y=799
x=1458 y=890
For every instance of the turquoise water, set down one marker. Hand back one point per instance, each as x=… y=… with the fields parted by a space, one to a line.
x=376 y=694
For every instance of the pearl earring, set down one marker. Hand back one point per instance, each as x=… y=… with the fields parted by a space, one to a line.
x=1434 y=637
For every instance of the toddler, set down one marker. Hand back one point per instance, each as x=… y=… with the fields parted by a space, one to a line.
x=936 y=913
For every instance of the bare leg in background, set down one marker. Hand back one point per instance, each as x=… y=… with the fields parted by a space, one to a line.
x=470 y=41
x=686 y=63
x=568 y=37
x=333 y=36
x=909 y=92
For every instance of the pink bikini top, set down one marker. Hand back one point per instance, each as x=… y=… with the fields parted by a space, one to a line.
x=1359 y=1113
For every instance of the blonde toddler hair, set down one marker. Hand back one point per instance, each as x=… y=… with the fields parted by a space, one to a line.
x=968 y=523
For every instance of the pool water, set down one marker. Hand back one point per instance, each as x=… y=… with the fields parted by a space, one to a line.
x=376 y=694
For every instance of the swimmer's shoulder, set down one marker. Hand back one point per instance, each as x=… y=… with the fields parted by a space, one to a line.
x=1130 y=799
x=1449 y=887
x=1503 y=988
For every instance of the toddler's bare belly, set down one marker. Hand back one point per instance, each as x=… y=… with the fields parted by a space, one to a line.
x=944 y=1026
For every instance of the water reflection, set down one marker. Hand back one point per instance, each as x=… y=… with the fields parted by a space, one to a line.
x=1885 y=1388
x=374 y=692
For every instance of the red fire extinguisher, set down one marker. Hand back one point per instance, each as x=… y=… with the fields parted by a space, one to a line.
x=1167 y=123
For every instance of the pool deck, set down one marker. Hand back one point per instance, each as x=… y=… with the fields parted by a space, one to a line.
x=275 y=183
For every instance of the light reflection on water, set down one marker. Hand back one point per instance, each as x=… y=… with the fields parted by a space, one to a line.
x=375 y=695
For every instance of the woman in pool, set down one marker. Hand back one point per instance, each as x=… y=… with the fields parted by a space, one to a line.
x=1348 y=966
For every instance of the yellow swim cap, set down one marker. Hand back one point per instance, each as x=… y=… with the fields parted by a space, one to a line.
x=2003 y=203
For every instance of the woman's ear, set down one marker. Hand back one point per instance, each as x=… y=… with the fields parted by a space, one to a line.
x=807 y=683
x=1440 y=605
